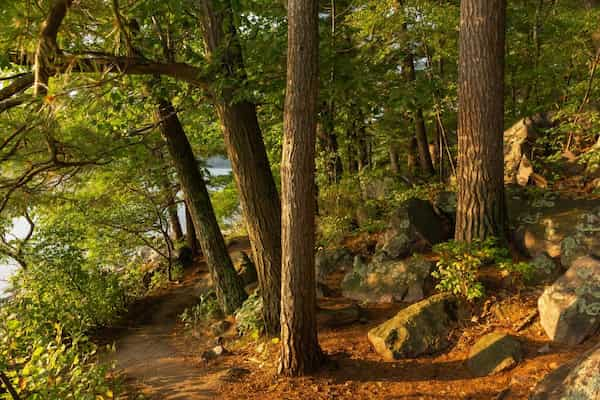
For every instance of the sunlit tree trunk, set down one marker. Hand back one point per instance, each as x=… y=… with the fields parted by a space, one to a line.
x=246 y=150
x=481 y=209
x=229 y=289
x=300 y=351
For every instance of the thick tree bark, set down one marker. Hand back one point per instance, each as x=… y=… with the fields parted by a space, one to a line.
x=229 y=289
x=481 y=202
x=300 y=351
x=246 y=150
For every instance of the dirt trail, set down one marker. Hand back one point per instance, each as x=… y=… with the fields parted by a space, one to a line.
x=157 y=361
x=152 y=357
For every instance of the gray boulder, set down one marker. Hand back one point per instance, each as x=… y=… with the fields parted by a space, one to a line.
x=421 y=328
x=570 y=308
x=328 y=261
x=383 y=281
x=494 y=353
x=415 y=220
x=576 y=380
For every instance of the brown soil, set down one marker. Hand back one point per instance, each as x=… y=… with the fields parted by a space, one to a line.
x=163 y=361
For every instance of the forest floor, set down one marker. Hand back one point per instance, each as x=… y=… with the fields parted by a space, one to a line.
x=161 y=360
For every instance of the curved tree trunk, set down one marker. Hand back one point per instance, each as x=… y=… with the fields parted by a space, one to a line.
x=229 y=289
x=481 y=209
x=300 y=351
x=246 y=150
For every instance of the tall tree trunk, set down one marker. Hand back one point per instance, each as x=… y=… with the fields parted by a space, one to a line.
x=394 y=158
x=425 y=161
x=328 y=142
x=362 y=142
x=246 y=150
x=481 y=202
x=300 y=351
x=191 y=238
x=229 y=289
x=175 y=225
x=420 y=130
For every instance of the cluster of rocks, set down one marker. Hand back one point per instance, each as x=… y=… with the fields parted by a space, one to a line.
x=392 y=273
x=563 y=239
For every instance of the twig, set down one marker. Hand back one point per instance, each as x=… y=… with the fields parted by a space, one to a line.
x=4 y=380
x=528 y=320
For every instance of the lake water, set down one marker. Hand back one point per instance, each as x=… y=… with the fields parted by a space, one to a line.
x=216 y=165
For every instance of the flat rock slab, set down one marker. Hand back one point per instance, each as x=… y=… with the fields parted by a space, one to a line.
x=494 y=353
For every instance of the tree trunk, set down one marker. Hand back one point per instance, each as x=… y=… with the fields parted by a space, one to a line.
x=174 y=224
x=363 y=148
x=229 y=289
x=176 y=231
x=328 y=142
x=394 y=158
x=420 y=130
x=481 y=209
x=246 y=150
x=300 y=351
x=191 y=238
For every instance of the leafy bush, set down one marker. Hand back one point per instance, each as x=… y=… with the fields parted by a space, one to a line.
x=459 y=263
x=45 y=363
x=525 y=270
x=43 y=342
x=61 y=296
x=248 y=317
x=208 y=309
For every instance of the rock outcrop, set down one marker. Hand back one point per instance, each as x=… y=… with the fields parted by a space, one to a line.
x=577 y=380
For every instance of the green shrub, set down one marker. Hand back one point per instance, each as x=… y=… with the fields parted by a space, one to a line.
x=248 y=317
x=459 y=263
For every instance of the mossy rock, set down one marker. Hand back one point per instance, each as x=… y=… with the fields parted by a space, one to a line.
x=494 y=353
x=421 y=328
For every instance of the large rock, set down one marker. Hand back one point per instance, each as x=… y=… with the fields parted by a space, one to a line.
x=494 y=353
x=416 y=220
x=576 y=380
x=328 y=261
x=518 y=142
x=383 y=281
x=427 y=223
x=421 y=328
x=543 y=223
x=570 y=308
